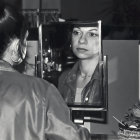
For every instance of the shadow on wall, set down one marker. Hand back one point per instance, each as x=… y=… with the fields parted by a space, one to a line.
x=123 y=81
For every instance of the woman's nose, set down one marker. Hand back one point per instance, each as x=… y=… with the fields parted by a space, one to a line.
x=83 y=39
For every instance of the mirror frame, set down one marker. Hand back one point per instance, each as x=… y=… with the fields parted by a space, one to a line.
x=82 y=113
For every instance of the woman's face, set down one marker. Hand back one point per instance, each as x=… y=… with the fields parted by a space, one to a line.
x=85 y=42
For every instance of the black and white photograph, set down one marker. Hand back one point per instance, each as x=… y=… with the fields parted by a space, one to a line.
x=69 y=70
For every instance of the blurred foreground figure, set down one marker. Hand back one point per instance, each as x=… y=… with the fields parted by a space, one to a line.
x=30 y=108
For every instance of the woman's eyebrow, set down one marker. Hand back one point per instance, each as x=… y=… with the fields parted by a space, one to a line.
x=93 y=29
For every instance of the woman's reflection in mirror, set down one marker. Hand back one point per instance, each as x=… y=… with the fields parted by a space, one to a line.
x=81 y=83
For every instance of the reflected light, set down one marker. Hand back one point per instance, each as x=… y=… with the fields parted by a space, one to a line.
x=112 y=70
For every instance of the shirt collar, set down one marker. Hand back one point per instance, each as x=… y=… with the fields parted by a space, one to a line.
x=5 y=66
x=75 y=69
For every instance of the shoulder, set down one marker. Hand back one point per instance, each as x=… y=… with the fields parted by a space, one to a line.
x=41 y=87
x=64 y=74
x=62 y=80
x=35 y=80
x=28 y=82
x=70 y=71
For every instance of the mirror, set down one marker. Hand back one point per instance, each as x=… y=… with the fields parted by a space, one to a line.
x=82 y=84
x=71 y=57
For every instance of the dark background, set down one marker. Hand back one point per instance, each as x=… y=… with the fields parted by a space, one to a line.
x=121 y=24
x=120 y=18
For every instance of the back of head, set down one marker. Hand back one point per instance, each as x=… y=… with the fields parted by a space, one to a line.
x=11 y=26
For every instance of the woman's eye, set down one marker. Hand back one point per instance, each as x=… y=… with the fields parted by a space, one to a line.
x=75 y=32
x=91 y=34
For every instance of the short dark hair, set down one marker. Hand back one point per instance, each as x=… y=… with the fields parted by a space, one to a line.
x=12 y=25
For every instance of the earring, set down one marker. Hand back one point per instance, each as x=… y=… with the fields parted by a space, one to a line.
x=24 y=51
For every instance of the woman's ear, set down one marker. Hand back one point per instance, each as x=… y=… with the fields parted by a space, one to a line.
x=14 y=45
x=15 y=57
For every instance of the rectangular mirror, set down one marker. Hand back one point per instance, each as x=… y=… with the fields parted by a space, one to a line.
x=71 y=57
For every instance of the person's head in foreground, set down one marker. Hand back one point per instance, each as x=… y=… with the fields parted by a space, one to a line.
x=13 y=35
x=30 y=108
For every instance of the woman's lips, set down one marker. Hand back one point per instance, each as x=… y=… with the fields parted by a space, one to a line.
x=82 y=49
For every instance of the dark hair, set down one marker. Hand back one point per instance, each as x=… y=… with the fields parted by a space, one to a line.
x=12 y=25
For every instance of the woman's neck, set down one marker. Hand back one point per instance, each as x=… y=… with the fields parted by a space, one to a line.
x=87 y=66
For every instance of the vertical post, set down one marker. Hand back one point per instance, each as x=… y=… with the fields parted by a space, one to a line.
x=139 y=69
x=39 y=13
x=101 y=61
x=100 y=42
x=40 y=51
x=105 y=81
